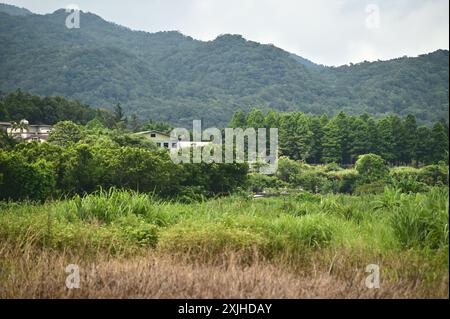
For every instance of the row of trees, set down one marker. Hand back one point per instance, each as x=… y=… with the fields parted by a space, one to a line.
x=341 y=139
x=82 y=159
x=18 y=105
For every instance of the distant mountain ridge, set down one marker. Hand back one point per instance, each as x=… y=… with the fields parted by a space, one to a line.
x=172 y=77
x=14 y=10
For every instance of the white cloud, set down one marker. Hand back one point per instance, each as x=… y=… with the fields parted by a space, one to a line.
x=331 y=32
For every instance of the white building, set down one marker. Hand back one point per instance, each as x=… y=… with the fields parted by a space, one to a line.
x=26 y=132
x=163 y=140
x=160 y=139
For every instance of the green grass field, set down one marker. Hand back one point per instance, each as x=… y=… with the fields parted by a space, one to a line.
x=307 y=236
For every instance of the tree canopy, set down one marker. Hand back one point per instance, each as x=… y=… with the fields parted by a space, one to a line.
x=343 y=138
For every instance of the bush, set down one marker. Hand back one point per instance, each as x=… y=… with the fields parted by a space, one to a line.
x=434 y=175
x=345 y=180
x=313 y=181
x=332 y=167
x=422 y=220
x=409 y=185
x=404 y=172
x=288 y=169
x=258 y=182
x=371 y=168
x=137 y=230
x=23 y=180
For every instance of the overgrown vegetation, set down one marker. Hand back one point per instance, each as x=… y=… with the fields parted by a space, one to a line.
x=370 y=176
x=282 y=231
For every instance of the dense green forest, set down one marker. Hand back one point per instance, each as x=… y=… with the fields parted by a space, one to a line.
x=19 y=105
x=83 y=159
x=80 y=159
x=343 y=138
x=167 y=76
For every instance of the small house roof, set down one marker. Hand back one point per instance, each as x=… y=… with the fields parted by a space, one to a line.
x=153 y=131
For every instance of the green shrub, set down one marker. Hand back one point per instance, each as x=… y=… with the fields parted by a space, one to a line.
x=137 y=230
x=431 y=175
x=259 y=182
x=287 y=169
x=345 y=180
x=371 y=168
x=404 y=172
x=332 y=167
x=422 y=220
x=409 y=185
x=391 y=198
x=434 y=175
x=313 y=181
x=24 y=180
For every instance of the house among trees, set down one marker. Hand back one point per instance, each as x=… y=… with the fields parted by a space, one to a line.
x=26 y=132
x=163 y=140
x=160 y=139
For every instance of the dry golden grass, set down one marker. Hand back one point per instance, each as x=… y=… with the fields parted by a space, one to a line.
x=35 y=273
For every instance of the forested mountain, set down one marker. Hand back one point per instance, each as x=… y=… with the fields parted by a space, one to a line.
x=171 y=77
x=13 y=10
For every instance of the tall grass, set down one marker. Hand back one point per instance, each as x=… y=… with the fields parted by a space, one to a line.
x=119 y=221
x=422 y=220
x=407 y=234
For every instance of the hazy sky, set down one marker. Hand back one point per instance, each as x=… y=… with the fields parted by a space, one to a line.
x=331 y=32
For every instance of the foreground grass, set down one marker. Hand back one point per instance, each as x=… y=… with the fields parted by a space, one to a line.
x=40 y=274
x=293 y=246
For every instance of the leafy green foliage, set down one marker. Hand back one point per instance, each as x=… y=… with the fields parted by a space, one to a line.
x=432 y=175
x=343 y=138
x=81 y=160
x=18 y=105
x=371 y=168
x=64 y=133
x=22 y=179
x=257 y=183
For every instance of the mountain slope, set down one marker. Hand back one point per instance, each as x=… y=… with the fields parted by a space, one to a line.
x=13 y=10
x=172 y=77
